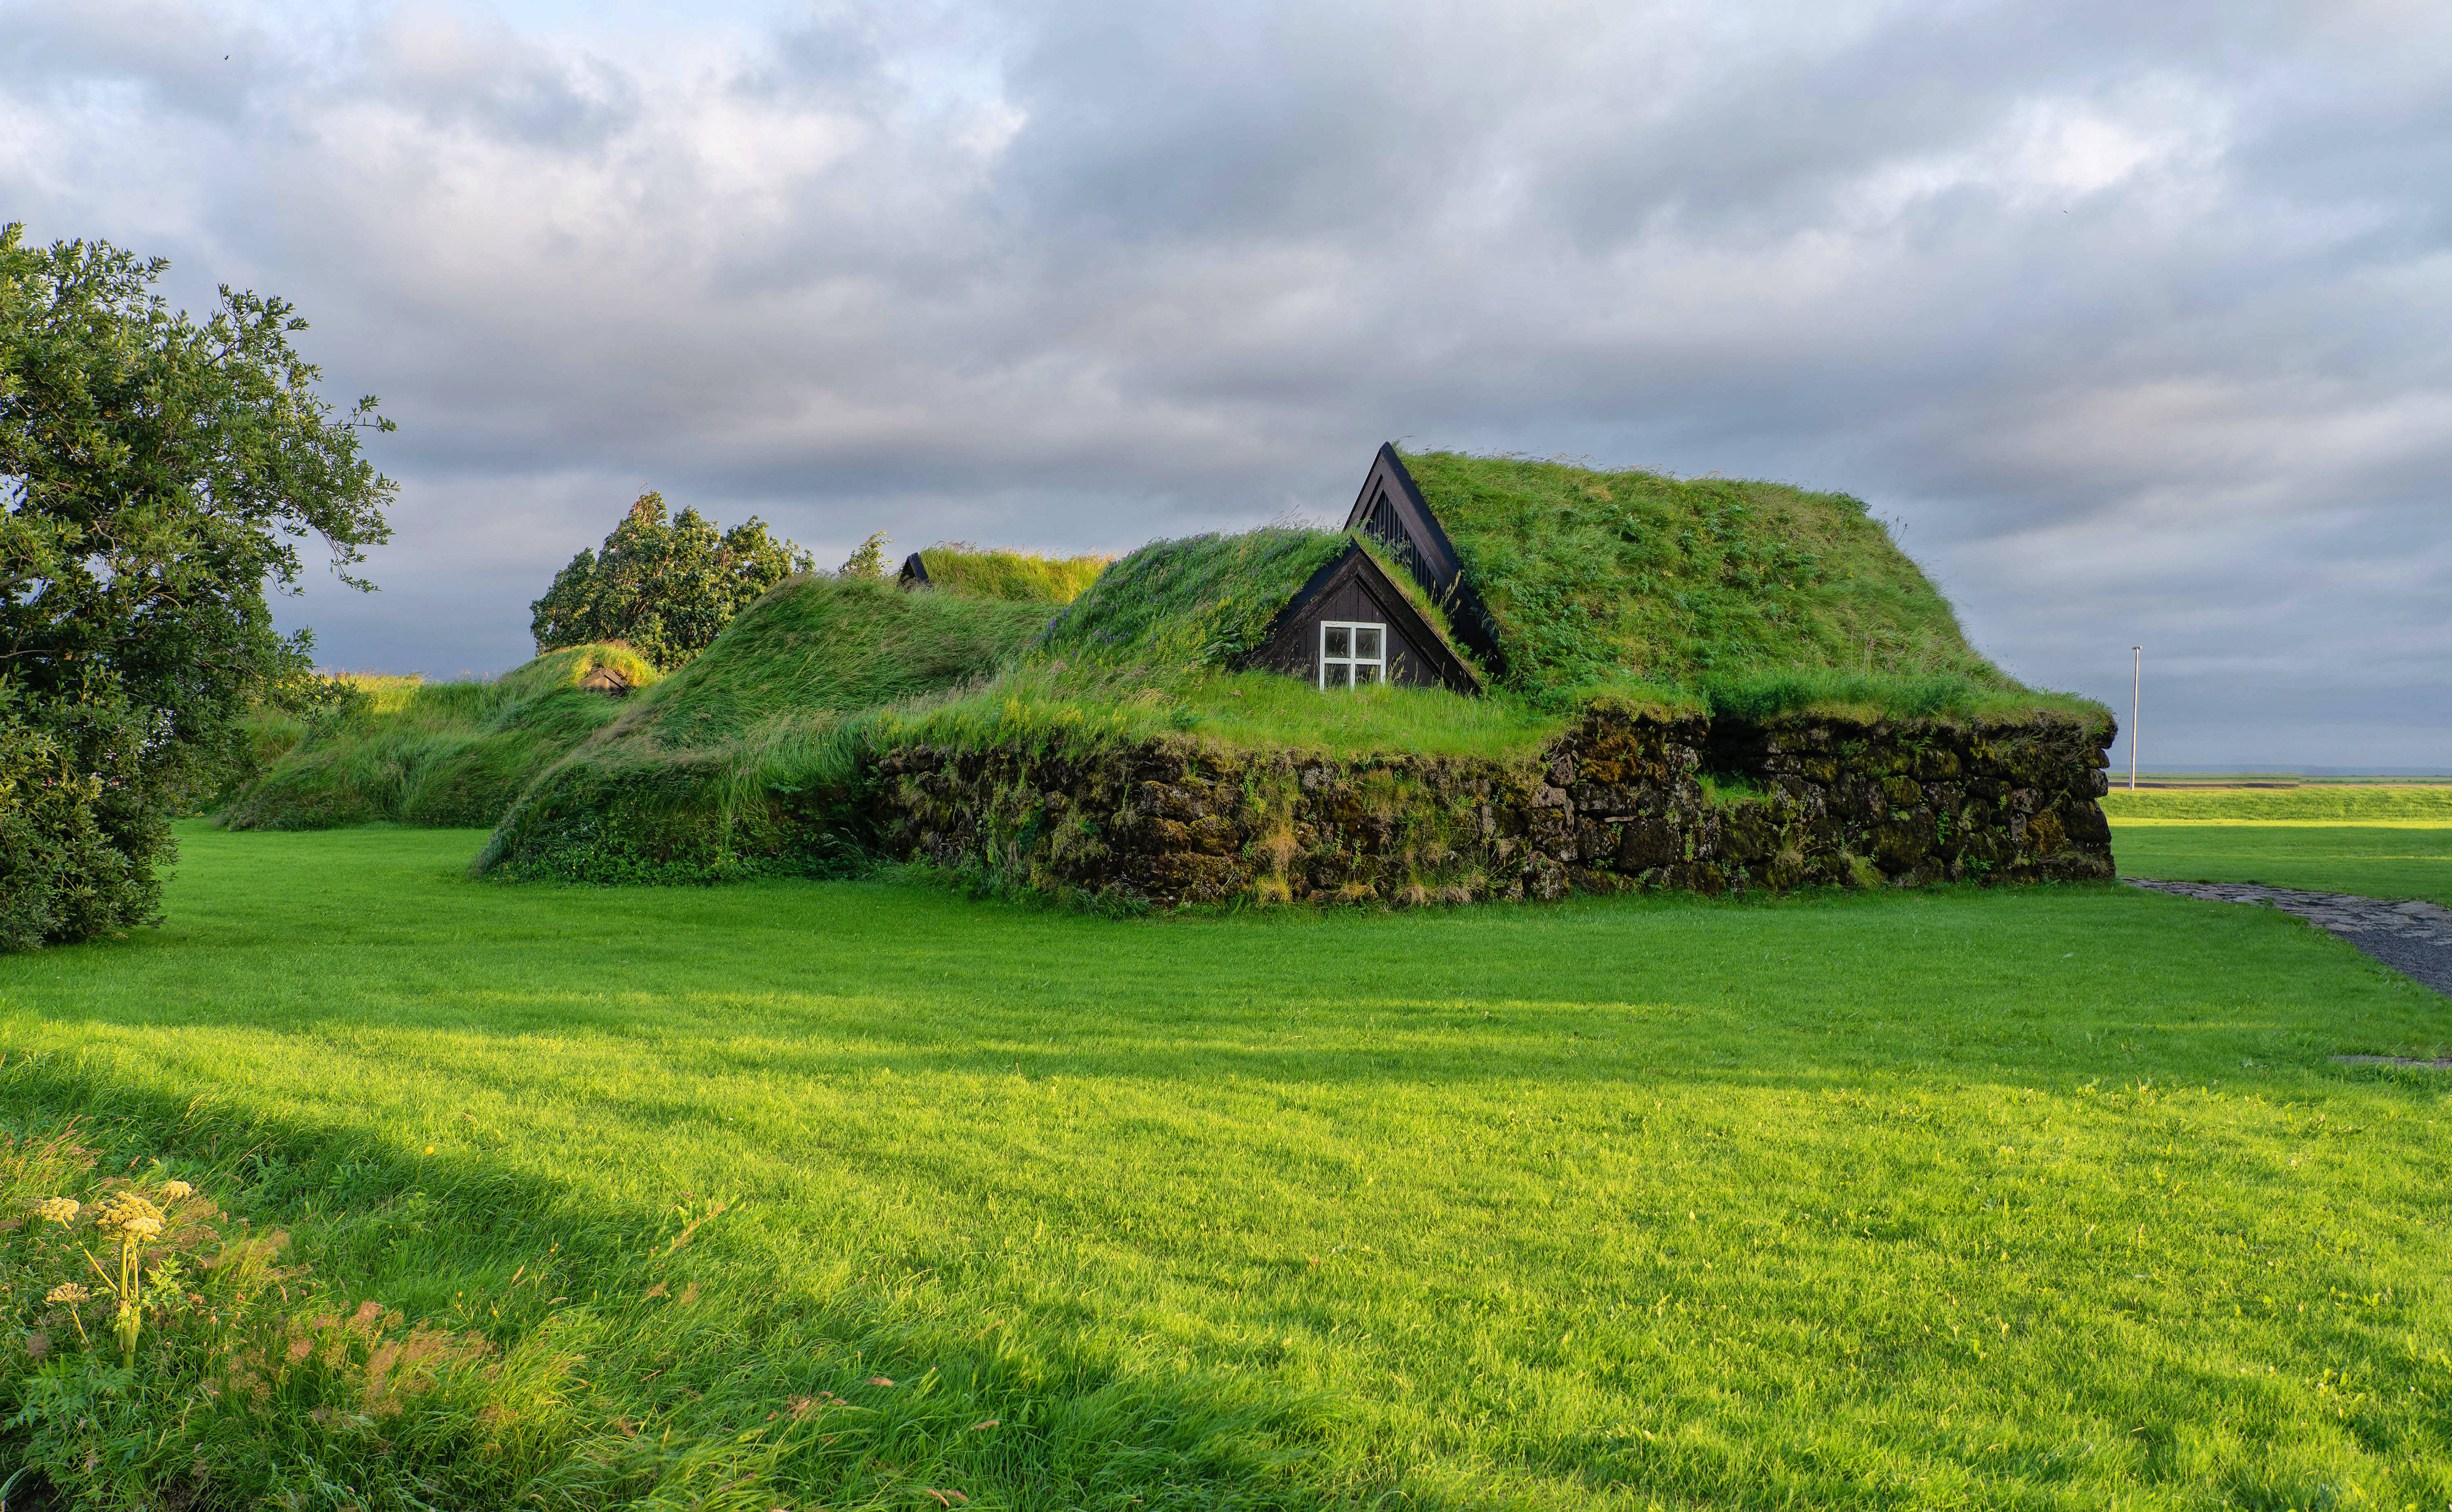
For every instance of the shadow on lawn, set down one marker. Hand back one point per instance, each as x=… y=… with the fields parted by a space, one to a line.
x=745 y=1352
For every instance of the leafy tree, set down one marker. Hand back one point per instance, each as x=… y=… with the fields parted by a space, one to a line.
x=665 y=586
x=156 y=472
x=867 y=560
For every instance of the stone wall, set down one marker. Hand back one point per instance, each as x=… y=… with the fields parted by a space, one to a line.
x=1619 y=802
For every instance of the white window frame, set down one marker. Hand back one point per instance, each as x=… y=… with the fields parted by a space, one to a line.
x=1377 y=663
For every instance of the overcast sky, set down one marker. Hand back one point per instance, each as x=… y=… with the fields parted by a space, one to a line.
x=2136 y=319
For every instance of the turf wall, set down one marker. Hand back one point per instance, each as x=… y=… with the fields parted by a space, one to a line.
x=1619 y=802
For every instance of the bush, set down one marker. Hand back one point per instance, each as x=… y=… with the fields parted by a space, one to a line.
x=71 y=847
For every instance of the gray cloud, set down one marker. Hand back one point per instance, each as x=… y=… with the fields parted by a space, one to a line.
x=2134 y=318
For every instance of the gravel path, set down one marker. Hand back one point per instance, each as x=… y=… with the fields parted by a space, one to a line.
x=2414 y=939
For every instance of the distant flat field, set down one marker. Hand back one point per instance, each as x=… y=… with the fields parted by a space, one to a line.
x=2268 y=779
x=2332 y=804
x=2375 y=858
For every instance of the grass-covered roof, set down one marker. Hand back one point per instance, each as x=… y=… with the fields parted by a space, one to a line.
x=1206 y=601
x=819 y=642
x=1201 y=601
x=430 y=754
x=1594 y=575
x=1020 y=577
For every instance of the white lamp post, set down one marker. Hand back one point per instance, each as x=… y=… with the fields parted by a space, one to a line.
x=2136 y=686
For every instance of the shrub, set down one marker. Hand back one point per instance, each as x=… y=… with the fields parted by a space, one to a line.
x=71 y=853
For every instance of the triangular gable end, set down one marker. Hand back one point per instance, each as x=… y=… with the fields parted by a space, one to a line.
x=1288 y=646
x=1391 y=509
x=914 y=573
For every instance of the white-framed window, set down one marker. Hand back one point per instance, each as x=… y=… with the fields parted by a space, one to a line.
x=1352 y=655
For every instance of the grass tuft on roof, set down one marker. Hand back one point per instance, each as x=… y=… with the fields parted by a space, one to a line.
x=1020 y=577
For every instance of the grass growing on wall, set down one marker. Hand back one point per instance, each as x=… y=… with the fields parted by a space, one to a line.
x=1930 y=1199
x=452 y=754
x=1957 y=697
x=1595 y=573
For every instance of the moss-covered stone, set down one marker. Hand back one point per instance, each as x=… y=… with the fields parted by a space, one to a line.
x=1615 y=802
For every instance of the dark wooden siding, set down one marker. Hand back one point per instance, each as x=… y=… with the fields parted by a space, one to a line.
x=1392 y=508
x=1353 y=589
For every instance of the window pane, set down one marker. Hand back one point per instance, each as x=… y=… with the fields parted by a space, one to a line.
x=1365 y=673
x=1336 y=674
x=1340 y=641
x=1366 y=641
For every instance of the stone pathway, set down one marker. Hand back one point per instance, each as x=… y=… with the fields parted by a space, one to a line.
x=2414 y=939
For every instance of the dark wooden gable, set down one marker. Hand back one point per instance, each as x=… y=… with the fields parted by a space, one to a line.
x=914 y=573
x=1353 y=587
x=1391 y=509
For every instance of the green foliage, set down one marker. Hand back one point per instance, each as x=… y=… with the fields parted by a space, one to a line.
x=1200 y=602
x=155 y=473
x=1851 y=1201
x=159 y=1345
x=665 y=588
x=453 y=754
x=67 y=871
x=867 y=560
x=283 y=715
x=1025 y=577
x=1594 y=575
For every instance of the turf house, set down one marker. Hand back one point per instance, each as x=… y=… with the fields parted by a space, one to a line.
x=1501 y=678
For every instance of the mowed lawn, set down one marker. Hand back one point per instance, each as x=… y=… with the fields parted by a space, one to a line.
x=2378 y=860
x=2380 y=841
x=2038 y=1199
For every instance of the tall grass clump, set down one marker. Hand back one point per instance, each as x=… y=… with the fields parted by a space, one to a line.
x=832 y=645
x=1021 y=577
x=449 y=754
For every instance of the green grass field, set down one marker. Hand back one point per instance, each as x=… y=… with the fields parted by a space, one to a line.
x=2402 y=803
x=2035 y=1198
x=2379 y=861
x=2382 y=841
